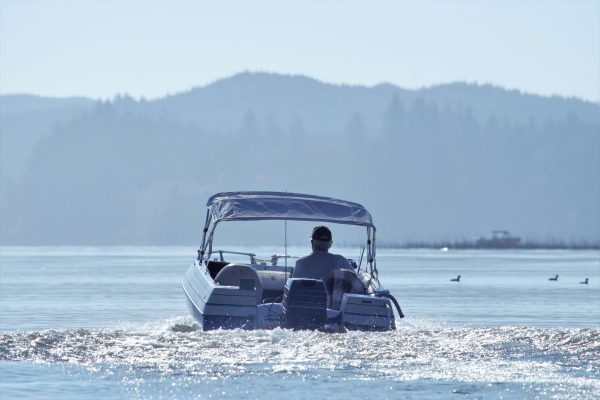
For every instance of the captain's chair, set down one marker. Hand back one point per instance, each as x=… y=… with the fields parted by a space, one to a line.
x=340 y=281
x=232 y=275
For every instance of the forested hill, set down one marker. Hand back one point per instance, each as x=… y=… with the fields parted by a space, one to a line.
x=441 y=163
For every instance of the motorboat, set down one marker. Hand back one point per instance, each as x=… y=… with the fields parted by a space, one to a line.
x=500 y=240
x=223 y=294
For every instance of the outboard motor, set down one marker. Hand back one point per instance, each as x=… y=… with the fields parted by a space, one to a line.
x=304 y=303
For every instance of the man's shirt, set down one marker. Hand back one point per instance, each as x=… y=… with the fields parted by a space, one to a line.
x=317 y=264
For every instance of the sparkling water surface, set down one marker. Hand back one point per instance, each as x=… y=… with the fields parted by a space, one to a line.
x=111 y=323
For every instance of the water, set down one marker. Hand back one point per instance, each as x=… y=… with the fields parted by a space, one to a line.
x=111 y=323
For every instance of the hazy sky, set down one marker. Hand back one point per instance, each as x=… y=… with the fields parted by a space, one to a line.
x=151 y=48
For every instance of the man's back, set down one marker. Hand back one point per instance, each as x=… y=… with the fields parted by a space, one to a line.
x=317 y=264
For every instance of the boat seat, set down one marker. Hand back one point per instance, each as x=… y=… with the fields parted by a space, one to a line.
x=339 y=282
x=214 y=267
x=232 y=274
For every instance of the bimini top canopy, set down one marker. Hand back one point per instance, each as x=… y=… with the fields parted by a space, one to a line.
x=255 y=206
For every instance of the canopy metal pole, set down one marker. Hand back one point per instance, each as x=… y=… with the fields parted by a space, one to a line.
x=374 y=249
x=285 y=253
x=368 y=248
x=201 y=250
x=210 y=240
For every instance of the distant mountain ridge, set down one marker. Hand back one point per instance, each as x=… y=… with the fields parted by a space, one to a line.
x=283 y=95
x=289 y=86
x=443 y=163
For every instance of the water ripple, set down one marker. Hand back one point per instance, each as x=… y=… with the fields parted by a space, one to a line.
x=178 y=347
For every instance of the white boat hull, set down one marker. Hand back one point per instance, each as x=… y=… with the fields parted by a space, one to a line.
x=229 y=307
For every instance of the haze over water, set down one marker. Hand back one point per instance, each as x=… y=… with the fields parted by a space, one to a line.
x=111 y=323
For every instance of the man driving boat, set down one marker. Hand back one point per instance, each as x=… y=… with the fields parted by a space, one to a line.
x=320 y=262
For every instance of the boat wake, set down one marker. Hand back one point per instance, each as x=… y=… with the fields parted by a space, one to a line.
x=564 y=361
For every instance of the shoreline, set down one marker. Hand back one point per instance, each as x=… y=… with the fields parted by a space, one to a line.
x=473 y=245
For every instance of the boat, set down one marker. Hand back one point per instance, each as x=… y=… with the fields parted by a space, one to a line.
x=500 y=239
x=255 y=294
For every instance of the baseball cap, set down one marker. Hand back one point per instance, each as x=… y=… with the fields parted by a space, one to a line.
x=321 y=233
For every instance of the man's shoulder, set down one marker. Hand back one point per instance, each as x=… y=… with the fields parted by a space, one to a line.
x=332 y=256
x=341 y=259
x=338 y=256
x=303 y=258
x=320 y=256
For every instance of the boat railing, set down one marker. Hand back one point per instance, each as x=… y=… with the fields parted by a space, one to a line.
x=221 y=252
x=276 y=257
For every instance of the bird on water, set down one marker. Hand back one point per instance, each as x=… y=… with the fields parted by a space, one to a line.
x=553 y=279
x=584 y=282
x=457 y=279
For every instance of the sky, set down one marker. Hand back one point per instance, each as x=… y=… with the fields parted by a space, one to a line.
x=150 y=49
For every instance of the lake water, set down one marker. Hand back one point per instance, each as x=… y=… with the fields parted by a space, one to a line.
x=83 y=323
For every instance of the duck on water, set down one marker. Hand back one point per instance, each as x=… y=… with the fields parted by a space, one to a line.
x=256 y=295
